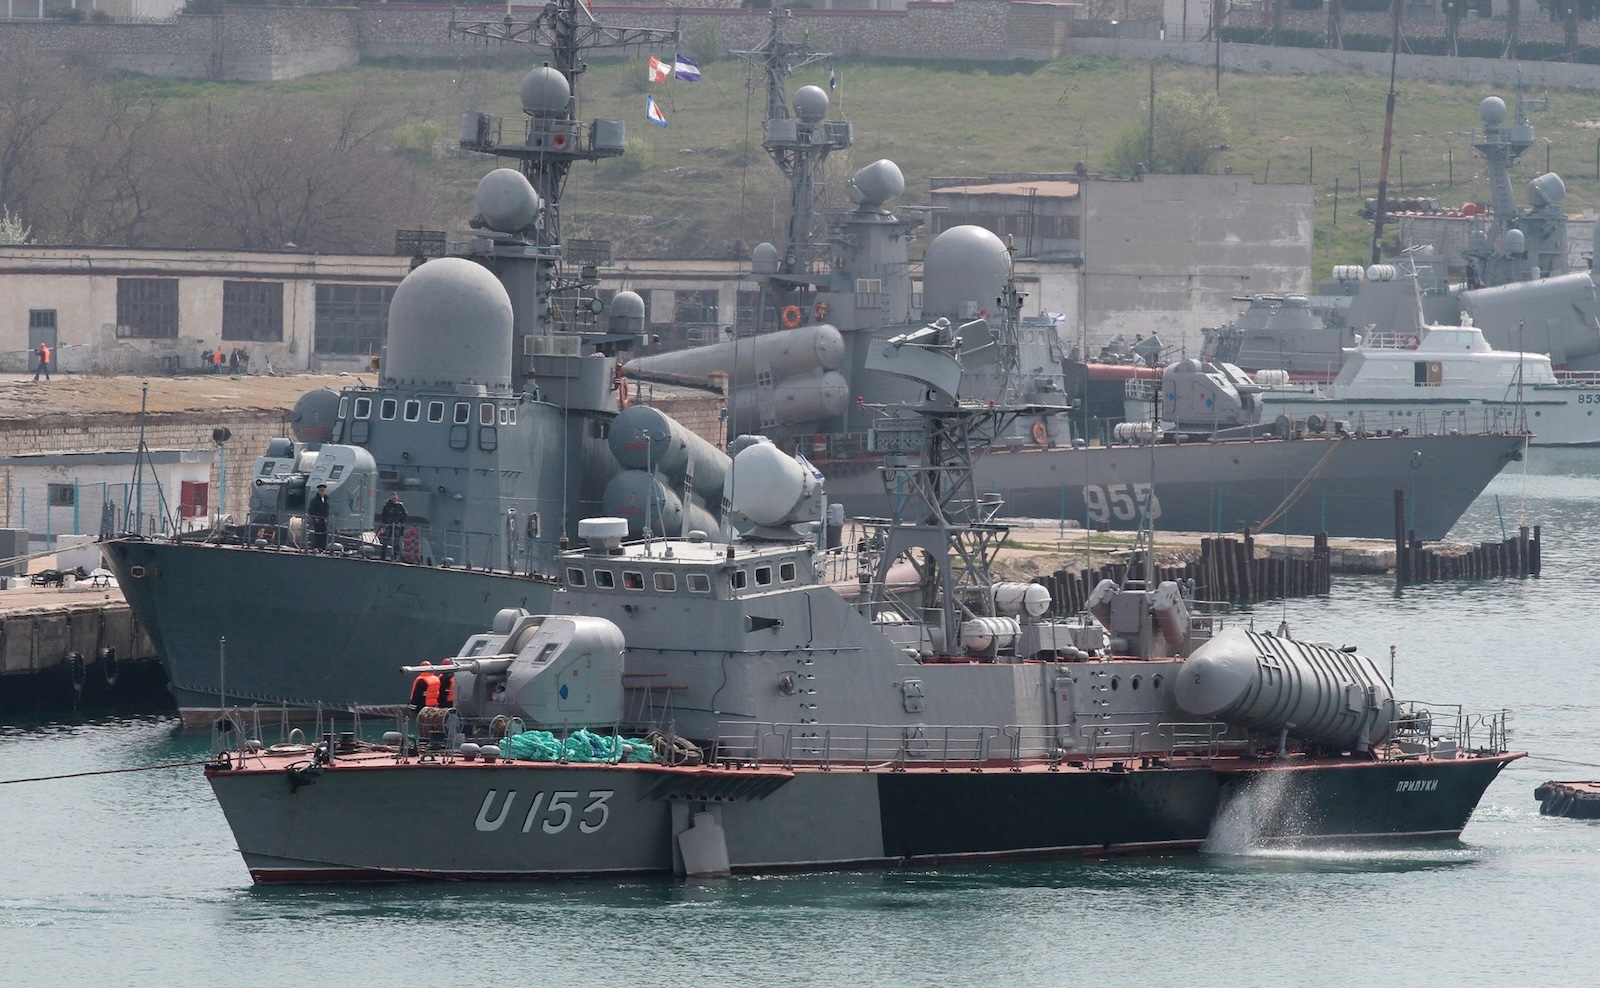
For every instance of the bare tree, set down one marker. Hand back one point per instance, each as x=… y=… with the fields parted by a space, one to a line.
x=277 y=174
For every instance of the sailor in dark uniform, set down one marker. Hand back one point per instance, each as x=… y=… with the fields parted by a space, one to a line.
x=317 y=514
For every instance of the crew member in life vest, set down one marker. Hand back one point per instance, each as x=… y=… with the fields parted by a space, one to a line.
x=447 y=685
x=425 y=689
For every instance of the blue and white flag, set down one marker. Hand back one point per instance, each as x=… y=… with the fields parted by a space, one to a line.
x=684 y=69
x=652 y=109
x=833 y=79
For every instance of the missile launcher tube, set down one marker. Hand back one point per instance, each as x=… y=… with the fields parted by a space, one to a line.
x=644 y=438
x=786 y=353
x=1270 y=684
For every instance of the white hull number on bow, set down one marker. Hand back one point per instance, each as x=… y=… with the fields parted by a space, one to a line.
x=553 y=816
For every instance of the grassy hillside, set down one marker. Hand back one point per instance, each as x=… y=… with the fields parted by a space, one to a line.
x=697 y=186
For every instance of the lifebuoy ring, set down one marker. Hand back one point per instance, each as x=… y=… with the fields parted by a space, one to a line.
x=558 y=140
x=411 y=545
x=1041 y=433
x=791 y=316
x=820 y=310
x=1412 y=341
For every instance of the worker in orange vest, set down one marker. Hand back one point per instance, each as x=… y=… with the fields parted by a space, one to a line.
x=447 y=685
x=42 y=354
x=426 y=688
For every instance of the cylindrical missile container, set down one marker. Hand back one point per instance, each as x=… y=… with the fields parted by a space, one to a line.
x=768 y=486
x=1021 y=599
x=644 y=438
x=1270 y=684
x=786 y=353
x=987 y=635
x=650 y=507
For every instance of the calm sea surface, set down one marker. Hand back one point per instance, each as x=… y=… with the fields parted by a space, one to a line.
x=132 y=879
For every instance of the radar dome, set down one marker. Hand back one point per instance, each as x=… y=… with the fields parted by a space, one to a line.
x=313 y=415
x=764 y=259
x=876 y=184
x=1515 y=242
x=545 y=93
x=627 y=305
x=449 y=323
x=1492 y=111
x=627 y=313
x=963 y=271
x=810 y=103
x=1547 y=190
x=506 y=201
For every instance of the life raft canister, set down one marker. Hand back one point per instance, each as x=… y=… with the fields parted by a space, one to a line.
x=411 y=545
x=791 y=316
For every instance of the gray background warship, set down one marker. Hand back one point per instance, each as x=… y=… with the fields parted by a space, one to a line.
x=1526 y=294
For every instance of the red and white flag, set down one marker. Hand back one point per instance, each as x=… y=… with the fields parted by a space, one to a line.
x=659 y=71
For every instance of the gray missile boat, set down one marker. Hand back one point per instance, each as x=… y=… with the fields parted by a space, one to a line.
x=696 y=707
x=490 y=416
x=1521 y=290
x=843 y=285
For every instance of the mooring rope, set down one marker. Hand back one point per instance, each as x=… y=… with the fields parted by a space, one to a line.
x=106 y=771
x=1300 y=488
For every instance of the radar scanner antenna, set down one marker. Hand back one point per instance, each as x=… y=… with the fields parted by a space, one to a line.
x=798 y=144
x=555 y=138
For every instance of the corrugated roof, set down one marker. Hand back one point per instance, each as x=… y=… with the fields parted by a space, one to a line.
x=1044 y=189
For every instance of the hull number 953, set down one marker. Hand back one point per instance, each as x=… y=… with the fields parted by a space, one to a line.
x=552 y=816
x=1120 y=502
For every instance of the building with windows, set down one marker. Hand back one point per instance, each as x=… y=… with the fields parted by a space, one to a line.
x=111 y=310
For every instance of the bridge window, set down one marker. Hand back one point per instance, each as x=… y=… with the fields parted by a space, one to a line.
x=463 y=413
x=435 y=411
x=575 y=577
x=666 y=582
x=604 y=579
x=786 y=571
x=699 y=583
x=387 y=408
x=413 y=410
x=738 y=578
x=763 y=576
x=363 y=408
x=632 y=580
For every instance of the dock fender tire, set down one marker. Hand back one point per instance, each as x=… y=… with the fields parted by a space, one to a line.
x=78 y=669
x=106 y=659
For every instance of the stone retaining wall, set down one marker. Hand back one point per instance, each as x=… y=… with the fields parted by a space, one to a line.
x=182 y=430
x=256 y=44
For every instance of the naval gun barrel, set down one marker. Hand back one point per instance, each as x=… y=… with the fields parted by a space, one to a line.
x=786 y=353
x=484 y=665
x=644 y=438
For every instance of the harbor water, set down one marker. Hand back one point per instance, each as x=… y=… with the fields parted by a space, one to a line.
x=131 y=877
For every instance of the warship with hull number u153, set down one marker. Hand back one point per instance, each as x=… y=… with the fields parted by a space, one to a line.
x=697 y=707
